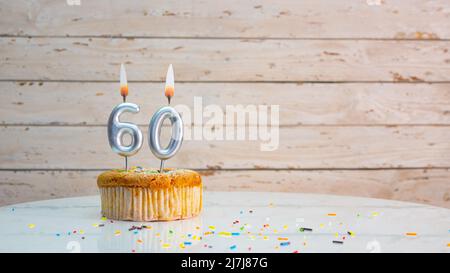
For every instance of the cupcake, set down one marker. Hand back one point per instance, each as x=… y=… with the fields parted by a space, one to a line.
x=148 y=195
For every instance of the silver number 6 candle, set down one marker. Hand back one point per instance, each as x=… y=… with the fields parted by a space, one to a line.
x=154 y=128
x=117 y=129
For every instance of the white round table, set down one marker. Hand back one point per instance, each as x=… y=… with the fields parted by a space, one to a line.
x=232 y=222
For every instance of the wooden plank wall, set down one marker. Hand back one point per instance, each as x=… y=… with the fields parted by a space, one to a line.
x=363 y=88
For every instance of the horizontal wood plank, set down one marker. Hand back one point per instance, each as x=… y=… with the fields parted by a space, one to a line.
x=299 y=147
x=78 y=103
x=98 y=59
x=394 y=19
x=422 y=186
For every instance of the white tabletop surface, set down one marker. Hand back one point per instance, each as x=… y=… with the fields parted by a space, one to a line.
x=232 y=222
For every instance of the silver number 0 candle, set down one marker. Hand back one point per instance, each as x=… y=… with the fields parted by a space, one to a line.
x=154 y=130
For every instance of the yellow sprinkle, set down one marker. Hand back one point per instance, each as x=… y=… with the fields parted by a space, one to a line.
x=31 y=225
x=374 y=214
x=411 y=234
x=95 y=225
x=283 y=239
x=197 y=227
x=117 y=232
x=166 y=245
x=148 y=227
x=207 y=233
x=285 y=227
x=265 y=238
x=182 y=245
x=336 y=235
x=157 y=234
x=104 y=218
x=275 y=231
x=322 y=225
x=212 y=227
x=352 y=234
x=81 y=231
x=223 y=233
x=331 y=214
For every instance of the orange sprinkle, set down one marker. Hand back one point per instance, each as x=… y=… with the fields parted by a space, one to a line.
x=124 y=90
x=331 y=214
x=282 y=239
x=448 y=245
x=411 y=234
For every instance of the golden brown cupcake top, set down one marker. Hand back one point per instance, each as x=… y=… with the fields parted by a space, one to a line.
x=149 y=178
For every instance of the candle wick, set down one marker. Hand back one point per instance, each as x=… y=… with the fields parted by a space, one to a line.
x=126 y=163
x=124 y=98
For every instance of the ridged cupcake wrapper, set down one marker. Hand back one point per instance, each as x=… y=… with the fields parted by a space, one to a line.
x=145 y=204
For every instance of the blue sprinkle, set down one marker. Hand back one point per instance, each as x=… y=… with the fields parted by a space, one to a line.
x=135 y=232
x=235 y=234
x=241 y=212
x=68 y=233
x=187 y=243
x=233 y=247
x=285 y=243
x=57 y=234
x=189 y=235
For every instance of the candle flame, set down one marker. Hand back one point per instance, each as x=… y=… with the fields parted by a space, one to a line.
x=170 y=84
x=123 y=82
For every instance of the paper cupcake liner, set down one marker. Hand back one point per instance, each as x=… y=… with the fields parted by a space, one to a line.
x=145 y=204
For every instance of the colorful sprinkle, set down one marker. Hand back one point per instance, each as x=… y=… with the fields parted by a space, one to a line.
x=31 y=226
x=212 y=227
x=225 y=234
x=187 y=243
x=331 y=214
x=411 y=234
x=166 y=245
x=283 y=239
x=235 y=234
x=302 y=229
x=285 y=243
x=338 y=242
x=233 y=247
